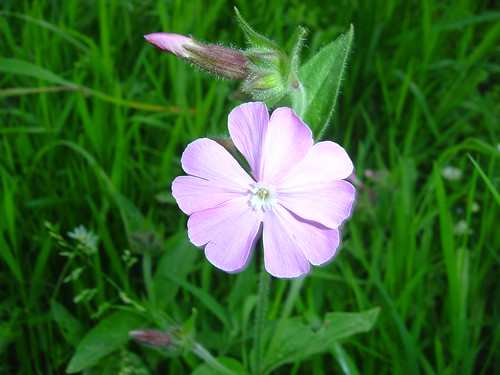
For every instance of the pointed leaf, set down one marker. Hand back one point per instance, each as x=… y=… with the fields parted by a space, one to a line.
x=206 y=299
x=232 y=365
x=103 y=339
x=177 y=260
x=256 y=39
x=321 y=78
x=296 y=341
x=24 y=68
x=346 y=363
x=71 y=328
x=294 y=46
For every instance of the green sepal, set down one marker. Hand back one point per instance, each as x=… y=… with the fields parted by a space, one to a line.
x=264 y=85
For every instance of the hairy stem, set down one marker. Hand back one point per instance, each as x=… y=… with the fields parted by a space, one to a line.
x=260 y=319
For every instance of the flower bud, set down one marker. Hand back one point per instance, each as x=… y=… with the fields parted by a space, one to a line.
x=151 y=337
x=264 y=85
x=215 y=59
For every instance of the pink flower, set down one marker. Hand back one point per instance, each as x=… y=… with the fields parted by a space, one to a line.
x=295 y=193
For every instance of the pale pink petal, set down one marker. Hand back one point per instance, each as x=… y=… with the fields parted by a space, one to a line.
x=325 y=161
x=207 y=159
x=286 y=142
x=318 y=243
x=302 y=242
x=229 y=232
x=167 y=42
x=283 y=256
x=328 y=203
x=196 y=194
x=247 y=126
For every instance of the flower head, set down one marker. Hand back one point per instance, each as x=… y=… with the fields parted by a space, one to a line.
x=295 y=194
x=87 y=240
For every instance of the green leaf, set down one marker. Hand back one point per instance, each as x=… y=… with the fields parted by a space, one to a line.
x=487 y=181
x=256 y=39
x=109 y=335
x=19 y=67
x=294 y=46
x=321 y=78
x=177 y=260
x=24 y=68
x=71 y=328
x=297 y=341
x=345 y=362
x=229 y=363
x=206 y=299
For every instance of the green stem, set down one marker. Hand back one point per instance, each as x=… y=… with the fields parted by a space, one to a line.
x=296 y=286
x=147 y=270
x=260 y=319
x=210 y=360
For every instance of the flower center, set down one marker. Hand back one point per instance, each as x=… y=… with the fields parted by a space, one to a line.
x=262 y=196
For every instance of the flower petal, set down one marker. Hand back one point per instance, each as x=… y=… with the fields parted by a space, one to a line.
x=325 y=161
x=247 y=126
x=283 y=256
x=319 y=243
x=229 y=232
x=328 y=203
x=207 y=159
x=286 y=142
x=196 y=194
x=292 y=243
x=167 y=42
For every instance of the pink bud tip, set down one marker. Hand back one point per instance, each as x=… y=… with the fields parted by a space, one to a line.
x=151 y=337
x=172 y=43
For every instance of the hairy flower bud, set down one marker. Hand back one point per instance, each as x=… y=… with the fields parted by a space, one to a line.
x=221 y=61
x=264 y=85
x=266 y=71
x=151 y=337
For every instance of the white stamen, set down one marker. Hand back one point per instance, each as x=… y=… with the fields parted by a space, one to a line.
x=262 y=196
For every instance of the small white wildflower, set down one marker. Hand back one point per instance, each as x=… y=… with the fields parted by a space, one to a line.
x=86 y=238
x=451 y=173
x=461 y=228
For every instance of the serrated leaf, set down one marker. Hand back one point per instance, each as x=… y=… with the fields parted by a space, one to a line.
x=297 y=341
x=230 y=363
x=321 y=78
x=103 y=339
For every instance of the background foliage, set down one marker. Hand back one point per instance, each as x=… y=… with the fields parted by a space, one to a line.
x=94 y=120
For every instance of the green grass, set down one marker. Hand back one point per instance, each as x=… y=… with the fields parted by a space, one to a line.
x=93 y=123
